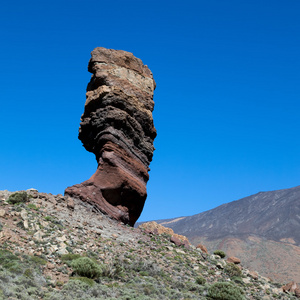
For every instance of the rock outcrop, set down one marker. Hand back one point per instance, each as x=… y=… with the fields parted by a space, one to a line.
x=117 y=126
x=154 y=228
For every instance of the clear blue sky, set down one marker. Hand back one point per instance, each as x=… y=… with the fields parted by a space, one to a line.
x=227 y=97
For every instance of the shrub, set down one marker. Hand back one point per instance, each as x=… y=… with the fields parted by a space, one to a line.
x=238 y=280
x=32 y=206
x=68 y=258
x=7 y=258
x=225 y=291
x=38 y=260
x=18 y=197
x=200 y=280
x=232 y=270
x=86 y=267
x=221 y=253
x=88 y=281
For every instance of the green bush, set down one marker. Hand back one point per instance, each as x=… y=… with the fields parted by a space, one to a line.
x=200 y=280
x=86 y=267
x=225 y=291
x=32 y=206
x=238 y=280
x=38 y=260
x=88 y=281
x=68 y=258
x=221 y=253
x=7 y=258
x=233 y=270
x=18 y=197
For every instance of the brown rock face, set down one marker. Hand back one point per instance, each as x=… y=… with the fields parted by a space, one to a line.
x=117 y=126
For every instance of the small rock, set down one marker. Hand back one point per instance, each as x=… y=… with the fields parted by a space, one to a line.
x=50 y=266
x=253 y=274
x=61 y=238
x=25 y=224
x=2 y=212
x=52 y=248
x=246 y=280
x=62 y=251
x=219 y=265
x=62 y=245
x=60 y=198
x=70 y=203
x=213 y=256
x=24 y=214
x=179 y=251
x=38 y=235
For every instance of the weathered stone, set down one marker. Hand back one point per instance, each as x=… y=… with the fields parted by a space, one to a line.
x=38 y=236
x=24 y=214
x=246 y=280
x=253 y=274
x=61 y=238
x=25 y=224
x=52 y=248
x=117 y=126
x=233 y=260
x=70 y=203
x=2 y=212
x=202 y=248
x=32 y=190
x=291 y=287
x=155 y=228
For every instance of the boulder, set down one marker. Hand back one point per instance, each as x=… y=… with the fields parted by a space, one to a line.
x=233 y=260
x=293 y=288
x=117 y=126
x=202 y=248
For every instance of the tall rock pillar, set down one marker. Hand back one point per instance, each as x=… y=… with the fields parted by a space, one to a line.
x=117 y=126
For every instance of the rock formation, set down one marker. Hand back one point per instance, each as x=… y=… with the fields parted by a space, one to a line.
x=154 y=228
x=117 y=126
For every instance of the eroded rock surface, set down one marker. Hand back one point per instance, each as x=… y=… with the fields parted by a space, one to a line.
x=117 y=126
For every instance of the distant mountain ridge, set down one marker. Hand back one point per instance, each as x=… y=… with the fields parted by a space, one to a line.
x=266 y=225
x=274 y=215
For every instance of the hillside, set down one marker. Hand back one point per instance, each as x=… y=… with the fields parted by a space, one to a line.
x=55 y=247
x=262 y=229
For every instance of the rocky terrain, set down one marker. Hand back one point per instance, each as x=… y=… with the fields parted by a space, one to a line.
x=56 y=247
x=263 y=230
x=117 y=126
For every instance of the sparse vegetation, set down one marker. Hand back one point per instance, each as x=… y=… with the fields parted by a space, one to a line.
x=225 y=291
x=84 y=266
x=221 y=253
x=18 y=197
x=232 y=270
x=200 y=280
x=96 y=266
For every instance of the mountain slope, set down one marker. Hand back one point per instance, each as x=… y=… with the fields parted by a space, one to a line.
x=270 y=218
x=54 y=247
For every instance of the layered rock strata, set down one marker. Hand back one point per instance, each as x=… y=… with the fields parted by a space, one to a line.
x=117 y=126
